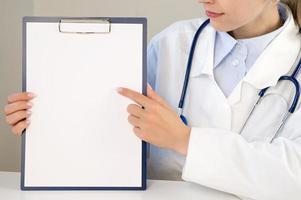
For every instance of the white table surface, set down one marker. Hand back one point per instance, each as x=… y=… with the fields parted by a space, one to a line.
x=156 y=189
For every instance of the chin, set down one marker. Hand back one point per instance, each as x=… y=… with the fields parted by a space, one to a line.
x=220 y=26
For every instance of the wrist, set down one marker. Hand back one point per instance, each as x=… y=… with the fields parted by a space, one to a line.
x=183 y=141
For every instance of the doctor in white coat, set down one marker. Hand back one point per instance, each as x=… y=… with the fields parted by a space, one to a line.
x=215 y=151
x=248 y=46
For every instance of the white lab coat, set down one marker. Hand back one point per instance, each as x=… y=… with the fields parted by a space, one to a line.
x=246 y=165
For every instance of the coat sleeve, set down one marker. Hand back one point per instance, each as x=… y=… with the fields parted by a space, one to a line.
x=152 y=60
x=224 y=160
x=152 y=68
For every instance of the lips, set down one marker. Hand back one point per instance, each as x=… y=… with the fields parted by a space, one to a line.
x=213 y=14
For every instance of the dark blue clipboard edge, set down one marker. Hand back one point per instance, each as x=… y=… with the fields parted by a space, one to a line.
x=127 y=20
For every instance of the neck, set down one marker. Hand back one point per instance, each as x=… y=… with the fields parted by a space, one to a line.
x=263 y=24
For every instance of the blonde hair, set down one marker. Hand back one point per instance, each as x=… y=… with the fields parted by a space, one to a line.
x=295 y=6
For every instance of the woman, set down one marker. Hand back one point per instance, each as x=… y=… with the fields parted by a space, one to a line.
x=248 y=46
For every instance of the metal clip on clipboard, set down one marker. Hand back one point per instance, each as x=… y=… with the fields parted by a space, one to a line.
x=85 y=26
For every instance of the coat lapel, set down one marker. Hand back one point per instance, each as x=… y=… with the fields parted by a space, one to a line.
x=206 y=104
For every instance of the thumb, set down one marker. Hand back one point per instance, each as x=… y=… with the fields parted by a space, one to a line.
x=154 y=96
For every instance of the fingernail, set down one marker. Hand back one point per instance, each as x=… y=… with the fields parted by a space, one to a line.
x=27 y=121
x=119 y=89
x=30 y=94
x=29 y=104
x=149 y=86
x=28 y=112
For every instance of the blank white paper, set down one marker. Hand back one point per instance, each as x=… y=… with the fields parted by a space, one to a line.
x=79 y=134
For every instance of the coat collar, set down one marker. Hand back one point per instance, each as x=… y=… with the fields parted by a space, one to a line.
x=204 y=46
x=276 y=60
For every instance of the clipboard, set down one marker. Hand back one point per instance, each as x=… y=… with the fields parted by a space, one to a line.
x=79 y=137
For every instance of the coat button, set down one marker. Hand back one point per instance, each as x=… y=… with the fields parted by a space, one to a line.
x=235 y=62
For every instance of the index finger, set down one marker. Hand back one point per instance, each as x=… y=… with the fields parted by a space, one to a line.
x=135 y=96
x=20 y=96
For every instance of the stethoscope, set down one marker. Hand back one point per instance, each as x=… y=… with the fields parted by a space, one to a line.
x=292 y=79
